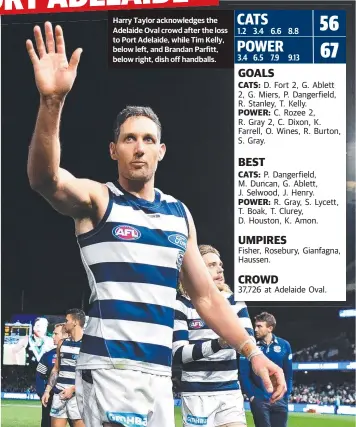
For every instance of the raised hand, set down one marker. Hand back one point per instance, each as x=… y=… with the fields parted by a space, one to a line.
x=53 y=74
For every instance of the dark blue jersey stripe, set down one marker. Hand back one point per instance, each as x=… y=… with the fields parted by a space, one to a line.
x=187 y=387
x=178 y=315
x=150 y=353
x=181 y=335
x=67 y=368
x=134 y=311
x=211 y=366
x=70 y=356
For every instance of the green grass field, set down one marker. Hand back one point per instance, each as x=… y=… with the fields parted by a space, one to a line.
x=28 y=414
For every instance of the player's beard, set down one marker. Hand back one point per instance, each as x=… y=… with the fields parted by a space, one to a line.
x=141 y=175
x=223 y=287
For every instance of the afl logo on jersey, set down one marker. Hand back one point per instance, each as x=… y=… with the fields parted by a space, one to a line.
x=196 y=324
x=178 y=240
x=126 y=232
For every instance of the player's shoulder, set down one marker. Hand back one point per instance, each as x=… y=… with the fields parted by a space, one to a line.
x=51 y=352
x=44 y=358
x=60 y=343
x=238 y=305
x=92 y=185
x=283 y=342
x=181 y=299
x=99 y=192
x=183 y=303
x=168 y=198
x=229 y=295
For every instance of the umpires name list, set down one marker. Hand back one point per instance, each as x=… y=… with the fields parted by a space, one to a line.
x=290 y=155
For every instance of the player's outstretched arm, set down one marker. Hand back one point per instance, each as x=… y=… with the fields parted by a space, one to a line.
x=219 y=316
x=54 y=77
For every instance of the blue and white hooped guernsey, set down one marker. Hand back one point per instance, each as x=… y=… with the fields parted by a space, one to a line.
x=68 y=357
x=132 y=259
x=206 y=367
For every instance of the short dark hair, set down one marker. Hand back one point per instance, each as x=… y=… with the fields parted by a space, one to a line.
x=268 y=318
x=78 y=315
x=135 y=111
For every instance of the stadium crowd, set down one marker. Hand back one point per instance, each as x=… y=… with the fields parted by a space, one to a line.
x=17 y=379
x=324 y=394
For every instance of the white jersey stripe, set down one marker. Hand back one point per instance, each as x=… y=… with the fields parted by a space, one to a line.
x=68 y=349
x=135 y=291
x=202 y=334
x=128 y=252
x=126 y=330
x=211 y=378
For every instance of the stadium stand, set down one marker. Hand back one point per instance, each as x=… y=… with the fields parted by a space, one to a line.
x=340 y=348
x=17 y=379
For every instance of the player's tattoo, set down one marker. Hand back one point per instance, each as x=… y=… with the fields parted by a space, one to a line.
x=53 y=378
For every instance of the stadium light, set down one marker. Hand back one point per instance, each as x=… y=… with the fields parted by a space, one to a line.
x=347 y=313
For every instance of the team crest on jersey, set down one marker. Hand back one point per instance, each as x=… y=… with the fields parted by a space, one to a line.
x=196 y=324
x=277 y=348
x=126 y=232
x=178 y=240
